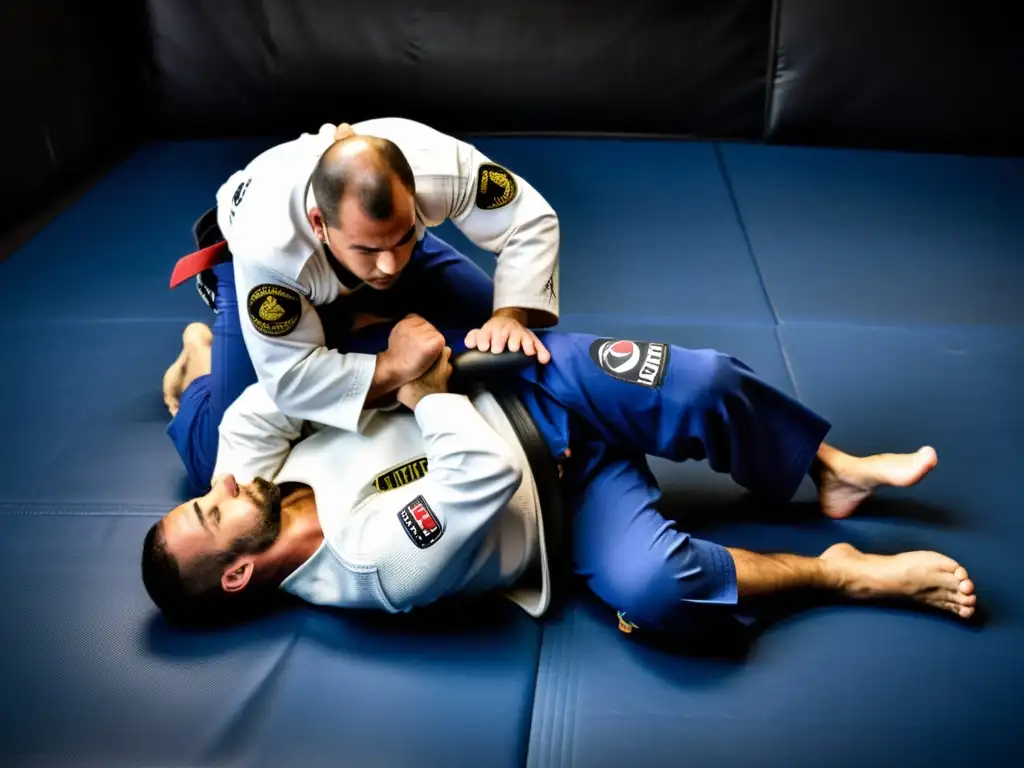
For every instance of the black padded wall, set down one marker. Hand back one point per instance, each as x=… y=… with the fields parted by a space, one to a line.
x=75 y=90
x=912 y=74
x=648 y=66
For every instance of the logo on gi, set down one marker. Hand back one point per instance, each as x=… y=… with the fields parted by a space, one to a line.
x=401 y=475
x=419 y=523
x=638 y=362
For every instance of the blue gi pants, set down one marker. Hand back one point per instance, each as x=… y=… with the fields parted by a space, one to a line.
x=612 y=403
x=439 y=284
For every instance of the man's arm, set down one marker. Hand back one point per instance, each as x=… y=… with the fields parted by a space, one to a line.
x=421 y=538
x=304 y=379
x=255 y=437
x=501 y=212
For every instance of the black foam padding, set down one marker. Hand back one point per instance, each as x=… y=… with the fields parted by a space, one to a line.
x=693 y=68
x=922 y=75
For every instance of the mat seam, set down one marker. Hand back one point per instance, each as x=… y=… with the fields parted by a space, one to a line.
x=727 y=180
x=776 y=321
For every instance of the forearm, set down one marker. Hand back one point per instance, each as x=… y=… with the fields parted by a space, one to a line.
x=758 y=575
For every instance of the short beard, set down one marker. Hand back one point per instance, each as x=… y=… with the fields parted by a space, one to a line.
x=267 y=498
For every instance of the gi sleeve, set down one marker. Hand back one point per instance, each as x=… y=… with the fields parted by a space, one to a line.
x=285 y=340
x=422 y=538
x=255 y=437
x=501 y=212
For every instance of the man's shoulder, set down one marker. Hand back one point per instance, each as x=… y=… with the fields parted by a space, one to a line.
x=430 y=152
x=261 y=208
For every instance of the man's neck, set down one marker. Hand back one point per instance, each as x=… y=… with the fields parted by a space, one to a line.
x=301 y=534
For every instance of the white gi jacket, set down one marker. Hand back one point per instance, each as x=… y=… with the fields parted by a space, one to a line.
x=282 y=271
x=414 y=507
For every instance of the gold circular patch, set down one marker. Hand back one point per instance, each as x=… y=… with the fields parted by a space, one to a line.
x=274 y=310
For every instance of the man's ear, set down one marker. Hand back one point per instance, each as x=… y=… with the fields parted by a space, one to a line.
x=238 y=576
x=316 y=221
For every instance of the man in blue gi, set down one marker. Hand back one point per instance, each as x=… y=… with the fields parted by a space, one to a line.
x=441 y=500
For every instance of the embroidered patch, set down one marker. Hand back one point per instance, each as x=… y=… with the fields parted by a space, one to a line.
x=638 y=362
x=274 y=309
x=401 y=475
x=495 y=187
x=419 y=522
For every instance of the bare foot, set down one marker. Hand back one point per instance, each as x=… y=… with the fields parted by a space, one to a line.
x=844 y=481
x=193 y=361
x=172 y=385
x=926 y=577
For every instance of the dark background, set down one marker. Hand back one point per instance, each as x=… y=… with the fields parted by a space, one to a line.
x=86 y=83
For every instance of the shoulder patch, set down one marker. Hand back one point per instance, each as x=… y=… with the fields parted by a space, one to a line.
x=401 y=475
x=638 y=362
x=495 y=187
x=274 y=309
x=419 y=523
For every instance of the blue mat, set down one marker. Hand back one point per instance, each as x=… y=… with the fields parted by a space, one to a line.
x=648 y=230
x=883 y=238
x=883 y=289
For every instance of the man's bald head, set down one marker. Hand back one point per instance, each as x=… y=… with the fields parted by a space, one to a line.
x=366 y=167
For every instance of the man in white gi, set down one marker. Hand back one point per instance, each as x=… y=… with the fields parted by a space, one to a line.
x=442 y=499
x=319 y=218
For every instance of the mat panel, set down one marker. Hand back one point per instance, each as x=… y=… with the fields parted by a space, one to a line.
x=884 y=238
x=93 y=679
x=450 y=688
x=647 y=228
x=92 y=423
x=826 y=675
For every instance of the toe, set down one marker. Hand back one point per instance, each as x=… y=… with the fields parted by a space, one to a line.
x=967 y=587
x=949 y=565
x=961 y=599
x=948 y=582
x=961 y=573
x=963 y=611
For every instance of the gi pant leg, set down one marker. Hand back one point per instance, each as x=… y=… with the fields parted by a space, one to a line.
x=613 y=402
x=677 y=404
x=658 y=578
x=193 y=430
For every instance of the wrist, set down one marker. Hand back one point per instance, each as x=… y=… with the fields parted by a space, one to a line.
x=515 y=313
x=412 y=394
x=387 y=375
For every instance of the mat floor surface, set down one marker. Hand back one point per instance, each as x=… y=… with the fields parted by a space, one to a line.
x=883 y=289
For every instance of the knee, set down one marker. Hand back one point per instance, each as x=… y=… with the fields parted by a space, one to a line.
x=670 y=586
x=645 y=589
x=197 y=337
